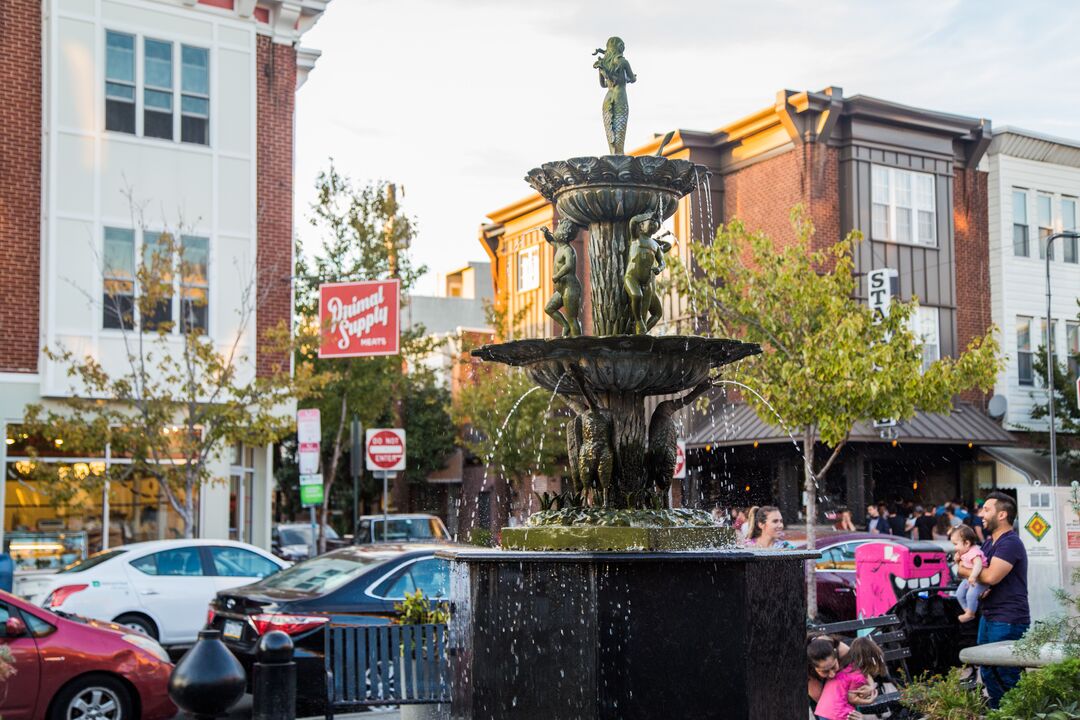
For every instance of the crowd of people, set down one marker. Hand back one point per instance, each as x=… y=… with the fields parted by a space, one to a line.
x=919 y=522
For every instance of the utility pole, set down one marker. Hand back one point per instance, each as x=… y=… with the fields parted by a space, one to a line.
x=399 y=492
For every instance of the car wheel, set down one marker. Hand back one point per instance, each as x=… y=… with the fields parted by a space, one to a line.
x=139 y=623
x=93 y=697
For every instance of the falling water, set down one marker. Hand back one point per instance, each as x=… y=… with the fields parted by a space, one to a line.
x=543 y=431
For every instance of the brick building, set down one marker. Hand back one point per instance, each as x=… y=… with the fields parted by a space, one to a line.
x=184 y=108
x=908 y=179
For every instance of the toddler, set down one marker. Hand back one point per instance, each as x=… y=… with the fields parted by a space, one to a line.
x=970 y=556
x=855 y=683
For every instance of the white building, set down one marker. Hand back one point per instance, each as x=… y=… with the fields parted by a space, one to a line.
x=182 y=108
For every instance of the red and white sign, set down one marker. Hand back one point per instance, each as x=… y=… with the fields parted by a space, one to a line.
x=359 y=319
x=308 y=437
x=385 y=449
x=680 y=459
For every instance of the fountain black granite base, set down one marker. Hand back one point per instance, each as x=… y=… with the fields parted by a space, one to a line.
x=618 y=636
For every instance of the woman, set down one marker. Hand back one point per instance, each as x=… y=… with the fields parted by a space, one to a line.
x=943 y=526
x=767 y=529
x=844 y=523
x=825 y=656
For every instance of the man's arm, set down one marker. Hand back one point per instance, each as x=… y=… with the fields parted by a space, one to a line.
x=993 y=573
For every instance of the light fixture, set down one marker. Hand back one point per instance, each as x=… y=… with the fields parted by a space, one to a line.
x=894 y=443
x=11 y=441
x=915 y=485
x=969 y=445
x=755 y=443
x=747 y=488
x=58 y=442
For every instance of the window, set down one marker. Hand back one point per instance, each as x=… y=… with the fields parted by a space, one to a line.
x=1046 y=224
x=157 y=260
x=194 y=282
x=1021 y=246
x=903 y=206
x=119 y=82
x=1023 y=351
x=118 y=289
x=237 y=562
x=158 y=89
x=925 y=328
x=1068 y=222
x=1053 y=343
x=529 y=269
x=431 y=575
x=841 y=557
x=160 y=93
x=195 y=97
x=180 y=561
x=1072 y=347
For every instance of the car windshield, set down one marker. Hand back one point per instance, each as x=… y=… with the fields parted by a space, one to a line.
x=92 y=561
x=322 y=574
x=400 y=529
x=301 y=535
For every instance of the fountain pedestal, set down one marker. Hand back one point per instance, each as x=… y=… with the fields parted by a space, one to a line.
x=553 y=635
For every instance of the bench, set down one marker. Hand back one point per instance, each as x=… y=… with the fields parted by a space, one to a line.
x=369 y=665
x=889 y=634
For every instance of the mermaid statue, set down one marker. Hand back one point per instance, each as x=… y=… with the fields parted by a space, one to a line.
x=615 y=72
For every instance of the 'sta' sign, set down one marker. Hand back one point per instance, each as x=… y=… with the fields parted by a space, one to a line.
x=359 y=319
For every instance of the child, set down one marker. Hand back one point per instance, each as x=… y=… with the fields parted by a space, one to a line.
x=855 y=683
x=970 y=556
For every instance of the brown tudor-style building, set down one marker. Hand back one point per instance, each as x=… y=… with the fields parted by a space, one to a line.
x=908 y=179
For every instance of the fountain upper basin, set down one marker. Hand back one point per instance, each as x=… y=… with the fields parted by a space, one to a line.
x=634 y=364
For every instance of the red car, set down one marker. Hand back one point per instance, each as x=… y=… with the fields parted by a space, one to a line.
x=70 y=668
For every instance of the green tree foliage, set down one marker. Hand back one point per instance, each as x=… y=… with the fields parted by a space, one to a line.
x=1066 y=411
x=361 y=233
x=177 y=405
x=828 y=362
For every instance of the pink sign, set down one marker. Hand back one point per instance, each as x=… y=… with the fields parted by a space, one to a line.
x=359 y=319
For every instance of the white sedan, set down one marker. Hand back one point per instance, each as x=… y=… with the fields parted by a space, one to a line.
x=160 y=588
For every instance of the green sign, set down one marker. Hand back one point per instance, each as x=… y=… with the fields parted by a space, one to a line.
x=311 y=490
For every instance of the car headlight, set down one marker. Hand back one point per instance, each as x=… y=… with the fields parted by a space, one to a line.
x=148 y=644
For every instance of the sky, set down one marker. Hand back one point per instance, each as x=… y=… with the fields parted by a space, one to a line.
x=455 y=100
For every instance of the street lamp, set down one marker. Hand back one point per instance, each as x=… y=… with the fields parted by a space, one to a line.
x=1050 y=356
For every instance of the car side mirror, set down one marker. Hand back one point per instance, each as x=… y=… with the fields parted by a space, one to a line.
x=14 y=627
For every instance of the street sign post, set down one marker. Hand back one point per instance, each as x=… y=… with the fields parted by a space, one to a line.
x=384 y=450
x=311 y=490
x=308 y=437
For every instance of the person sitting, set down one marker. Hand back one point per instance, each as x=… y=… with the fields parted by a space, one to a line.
x=853 y=684
x=844 y=522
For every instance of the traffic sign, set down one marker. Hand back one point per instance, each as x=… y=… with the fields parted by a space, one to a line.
x=385 y=449
x=680 y=459
x=308 y=436
x=311 y=490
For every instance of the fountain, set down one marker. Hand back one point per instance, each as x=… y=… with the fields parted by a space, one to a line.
x=612 y=605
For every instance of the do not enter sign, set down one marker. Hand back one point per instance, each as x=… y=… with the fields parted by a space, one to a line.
x=385 y=449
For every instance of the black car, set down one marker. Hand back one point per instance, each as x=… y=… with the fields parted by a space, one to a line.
x=293 y=541
x=355 y=585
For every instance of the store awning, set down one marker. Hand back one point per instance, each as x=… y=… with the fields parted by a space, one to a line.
x=1033 y=463
x=727 y=424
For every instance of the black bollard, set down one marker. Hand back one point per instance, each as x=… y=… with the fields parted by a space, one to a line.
x=274 y=678
x=208 y=680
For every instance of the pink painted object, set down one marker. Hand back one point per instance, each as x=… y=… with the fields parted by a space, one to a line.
x=885 y=571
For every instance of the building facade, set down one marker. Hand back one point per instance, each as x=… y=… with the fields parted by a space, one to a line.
x=127 y=119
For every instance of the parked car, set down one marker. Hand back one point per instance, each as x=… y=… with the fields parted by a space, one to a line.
x=292 y=541
x=400 y=528
x=357 y=585
x=835 y=571
x=159 y=588
x=71 y=668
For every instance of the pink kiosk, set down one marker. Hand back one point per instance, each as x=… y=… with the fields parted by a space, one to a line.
x=885 y=570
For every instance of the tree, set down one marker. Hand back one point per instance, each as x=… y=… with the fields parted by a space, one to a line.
x=1066 y=411
x=362 y=234
x=179 y=402
x=828 y=362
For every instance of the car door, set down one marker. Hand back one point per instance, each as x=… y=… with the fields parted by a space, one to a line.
x=175 y=589
x=835 y=573
x=20 y=674
x=236 y=566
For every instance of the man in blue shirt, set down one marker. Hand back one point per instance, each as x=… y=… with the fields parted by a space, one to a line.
x=1004 y=608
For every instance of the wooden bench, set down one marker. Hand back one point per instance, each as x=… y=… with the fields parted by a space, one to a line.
x=369 y=665
x=889 y=634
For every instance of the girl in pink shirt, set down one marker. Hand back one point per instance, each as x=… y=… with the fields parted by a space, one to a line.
x=866 y=663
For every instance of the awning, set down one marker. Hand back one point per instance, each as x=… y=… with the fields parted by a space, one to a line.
x=1033 y=463
x=727 y=424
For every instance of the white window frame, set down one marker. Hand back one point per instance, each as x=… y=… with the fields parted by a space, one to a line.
x=528 y=269
x=886 y=191
x=925 y=325
x=1021 y=222
x=1070 y=253
x=1025 y=349
x=1045 y=224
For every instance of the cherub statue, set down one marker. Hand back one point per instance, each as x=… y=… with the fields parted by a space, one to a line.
x=644 y=261
x=567 y=293
x=615 y=73
x=661 y=455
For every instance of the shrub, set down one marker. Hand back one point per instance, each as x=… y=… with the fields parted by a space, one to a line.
x=1049 y=693
x=418 y=610
x=944 y=698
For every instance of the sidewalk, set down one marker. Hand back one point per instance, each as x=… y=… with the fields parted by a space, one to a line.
x=242 y=711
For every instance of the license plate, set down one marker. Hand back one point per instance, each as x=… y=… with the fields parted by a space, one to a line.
x=233 y=629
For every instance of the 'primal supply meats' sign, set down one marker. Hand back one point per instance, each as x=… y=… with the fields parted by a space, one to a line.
x=359 y=318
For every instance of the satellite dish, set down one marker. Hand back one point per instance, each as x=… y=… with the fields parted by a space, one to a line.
x=998 y=406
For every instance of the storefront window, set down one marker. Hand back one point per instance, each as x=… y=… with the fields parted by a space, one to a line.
x=241 y=490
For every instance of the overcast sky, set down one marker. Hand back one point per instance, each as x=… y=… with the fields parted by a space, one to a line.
x=456 y=100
